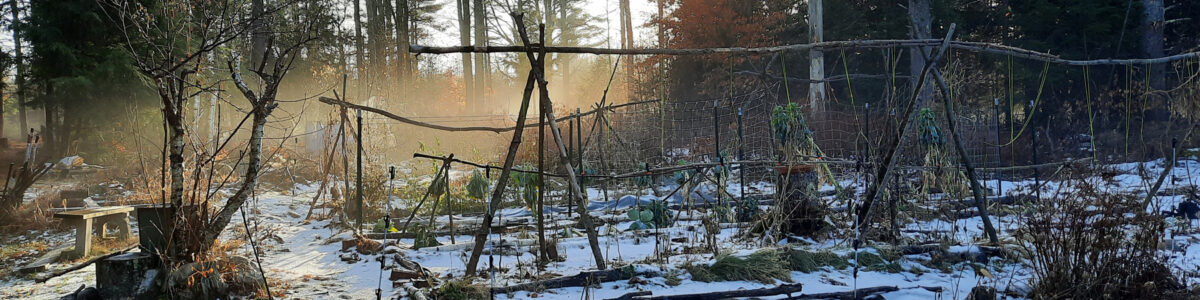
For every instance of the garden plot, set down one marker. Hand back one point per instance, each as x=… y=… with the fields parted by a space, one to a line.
x=308 y=260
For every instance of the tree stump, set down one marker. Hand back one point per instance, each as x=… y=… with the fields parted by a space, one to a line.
x=119 y=277
x=801 y=209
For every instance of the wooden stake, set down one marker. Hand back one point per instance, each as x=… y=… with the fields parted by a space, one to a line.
x=584 y=218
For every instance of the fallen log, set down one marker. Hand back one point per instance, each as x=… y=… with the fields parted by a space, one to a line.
x=787 y=289
x=581 y=279
x=860 y=293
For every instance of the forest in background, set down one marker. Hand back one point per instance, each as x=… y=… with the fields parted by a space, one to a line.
x=78 y=86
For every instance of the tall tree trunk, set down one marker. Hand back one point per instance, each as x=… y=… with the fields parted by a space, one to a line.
x=502 y=182
x=816 y=67
x=374 y=44
x=249 y=181
x=258 y=34
x=464 y=38
x=921 y=19
x=627 y=43
x=174 y=118
x=20 y=75
x=481 y=70
x=402 y=42
x=1152 y=47
x=358 y=44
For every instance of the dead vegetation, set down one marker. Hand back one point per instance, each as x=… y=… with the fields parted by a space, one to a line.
x=1088 y=241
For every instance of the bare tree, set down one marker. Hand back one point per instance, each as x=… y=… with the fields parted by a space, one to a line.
x=273 y=66
x=167 y=42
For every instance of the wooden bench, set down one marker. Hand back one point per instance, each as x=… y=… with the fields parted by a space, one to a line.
x=82 y=221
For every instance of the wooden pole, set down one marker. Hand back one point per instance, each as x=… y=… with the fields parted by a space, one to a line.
x=888 y=161
x=976 y=188
x=978 y=47
x=541 y=197
x=358 y=195
x=816 y=69
x=584 y=218
x=449 y=201
x=389 y=115
x=502 y=183
x=572 y=150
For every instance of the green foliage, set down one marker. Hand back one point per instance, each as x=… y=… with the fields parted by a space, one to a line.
x=477 y=187
x=380 y=224
x=645 y=180
x=808 y=262
x=425 y=237
x=722 y=213
x=526 y=184
x=747 y=210
x=683 y=176
x=868 y=259
x=791 y=131
x=654 y=215
x=763 y=266
x=931 y=135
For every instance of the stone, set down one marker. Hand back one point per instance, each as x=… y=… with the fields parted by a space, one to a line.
x=84 y=293
x=982 y=292
x=197 y=281
x=241 y=274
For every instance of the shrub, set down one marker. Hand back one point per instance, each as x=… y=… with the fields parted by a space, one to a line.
x=1090 y=244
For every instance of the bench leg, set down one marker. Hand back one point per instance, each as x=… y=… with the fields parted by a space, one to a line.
x=83 y=237
x=103 y=229
x=123 y=227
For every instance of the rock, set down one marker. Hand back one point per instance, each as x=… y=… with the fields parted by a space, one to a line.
x=83 y=293
x=241 y=275
x=197 y=281
x=874 y=297
x=982 y=292
x=349 y=257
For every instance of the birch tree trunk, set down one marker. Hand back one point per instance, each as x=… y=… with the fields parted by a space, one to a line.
x=1152 y=47
x=358 y=43
x=481 y=71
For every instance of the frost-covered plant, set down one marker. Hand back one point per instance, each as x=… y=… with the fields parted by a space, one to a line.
x=747 y=210
x=425 y=237
x=928 y=127
x=791 y=130
x=526 y=182
x=645 y=180
x=655 y=215
x=683 y=176
x=477 y=187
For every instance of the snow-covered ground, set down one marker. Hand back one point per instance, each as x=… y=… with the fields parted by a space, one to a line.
x=304 y=258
